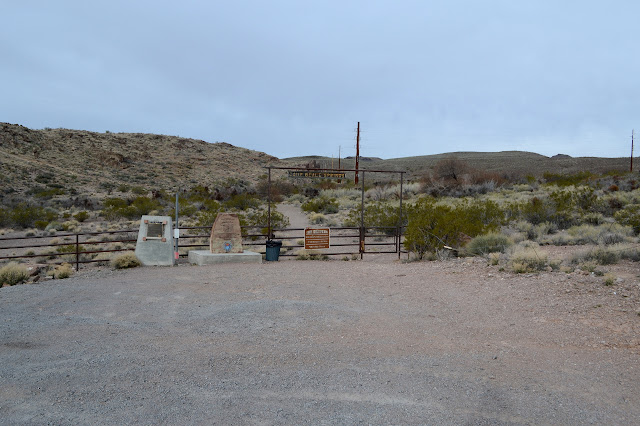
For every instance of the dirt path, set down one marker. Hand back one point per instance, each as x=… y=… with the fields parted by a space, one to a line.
x=309 y=342
x=297 y=218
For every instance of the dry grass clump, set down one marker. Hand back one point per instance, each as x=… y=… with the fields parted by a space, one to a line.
x=489 y=243
x=61 y=271
x=13 y=273
x=126 y=260
x=608 y=254
x=528 y=258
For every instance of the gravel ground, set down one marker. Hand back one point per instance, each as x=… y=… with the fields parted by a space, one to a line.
x=309 y=342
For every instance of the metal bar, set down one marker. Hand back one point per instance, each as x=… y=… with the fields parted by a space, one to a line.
x=67 y=235
x=336 y=170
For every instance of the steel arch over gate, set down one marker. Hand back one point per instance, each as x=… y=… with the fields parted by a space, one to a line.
x=340 y=173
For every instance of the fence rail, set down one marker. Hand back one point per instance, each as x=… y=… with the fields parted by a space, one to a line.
x=74 y=243
x=378 y=238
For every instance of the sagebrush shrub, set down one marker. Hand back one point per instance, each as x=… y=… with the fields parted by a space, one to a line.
x=13 y=273
x=125 y=260
x=489 y=243
x=321 y=205
x=528 y=258
x=600 y=255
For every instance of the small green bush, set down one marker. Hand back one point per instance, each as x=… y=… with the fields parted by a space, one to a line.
x=116 y=208
x=489 y=243
x=81 y=216
x=377 y=214
x=321 y=205
x=629 y=216
x=13 y=273
x=125 y=260
x=242 y=202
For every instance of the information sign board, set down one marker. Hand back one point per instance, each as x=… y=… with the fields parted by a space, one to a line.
x=316 y=238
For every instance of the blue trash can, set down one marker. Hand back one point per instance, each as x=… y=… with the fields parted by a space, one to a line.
x=273 y=250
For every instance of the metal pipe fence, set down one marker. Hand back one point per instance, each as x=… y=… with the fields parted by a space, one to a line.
x=79 y=248
x=69 y=251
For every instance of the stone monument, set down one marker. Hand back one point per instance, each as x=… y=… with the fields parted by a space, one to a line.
x=155 y=241
x=225 y=244
x=226 y=236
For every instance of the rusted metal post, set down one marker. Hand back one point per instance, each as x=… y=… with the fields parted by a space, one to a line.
x=269 y=206
x=362 y=230
x=400 y=215
x=357 y=155
x=77 y=252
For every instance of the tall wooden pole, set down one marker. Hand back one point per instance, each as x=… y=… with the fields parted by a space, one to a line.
x=631 y=166
x=339 y=168
x=357 y=153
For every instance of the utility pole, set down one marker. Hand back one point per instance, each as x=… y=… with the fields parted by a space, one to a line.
x=357 y=154
x=339 y=168
x=631 y=167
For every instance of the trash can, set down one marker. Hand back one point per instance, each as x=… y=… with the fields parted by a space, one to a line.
x=273 y=250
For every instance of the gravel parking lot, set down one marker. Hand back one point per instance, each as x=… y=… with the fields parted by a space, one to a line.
x=310 y=342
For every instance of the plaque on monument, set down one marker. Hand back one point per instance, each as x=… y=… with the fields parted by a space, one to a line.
x=226 y=236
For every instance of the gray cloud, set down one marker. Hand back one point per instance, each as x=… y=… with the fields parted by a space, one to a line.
x=293 y=78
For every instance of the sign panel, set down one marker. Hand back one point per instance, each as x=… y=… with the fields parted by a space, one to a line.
x=316 y=238
x=313 y=174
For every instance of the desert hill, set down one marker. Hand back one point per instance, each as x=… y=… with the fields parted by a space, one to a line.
x=77 y=162
x=93 y=162
x=508 y=163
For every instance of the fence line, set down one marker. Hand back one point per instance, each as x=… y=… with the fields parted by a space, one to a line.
x=74 y=247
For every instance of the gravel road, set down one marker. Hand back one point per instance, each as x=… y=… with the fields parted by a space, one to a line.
x=310 y=342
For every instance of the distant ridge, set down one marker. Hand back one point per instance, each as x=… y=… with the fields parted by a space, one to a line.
x=95 y=163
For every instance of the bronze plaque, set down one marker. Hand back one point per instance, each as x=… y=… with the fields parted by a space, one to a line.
x=155 y=230
x=226 y=235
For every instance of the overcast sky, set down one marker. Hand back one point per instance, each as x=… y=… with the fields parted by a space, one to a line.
x=294 y=77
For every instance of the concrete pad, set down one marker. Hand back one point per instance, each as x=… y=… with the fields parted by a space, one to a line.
x=205 y=257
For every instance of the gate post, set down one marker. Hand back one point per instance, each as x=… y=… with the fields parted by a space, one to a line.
x=77 y=253
x=362 y=230
x=269 y=206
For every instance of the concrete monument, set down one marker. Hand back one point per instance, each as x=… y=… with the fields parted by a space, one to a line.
x=155 y=241
x=225 y=244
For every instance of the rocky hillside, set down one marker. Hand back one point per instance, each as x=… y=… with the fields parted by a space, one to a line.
x=62 y=163
x=90 y=162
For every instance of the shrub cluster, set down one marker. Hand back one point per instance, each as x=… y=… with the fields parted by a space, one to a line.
x=25 y=215
x=125 y=260
x=321 y=205
x=116 y=208
x=13 y=273
x=432 y=226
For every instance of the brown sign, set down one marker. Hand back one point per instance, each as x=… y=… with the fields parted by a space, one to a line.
x=226 y=236
x=316 y=238
x=312 y=174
